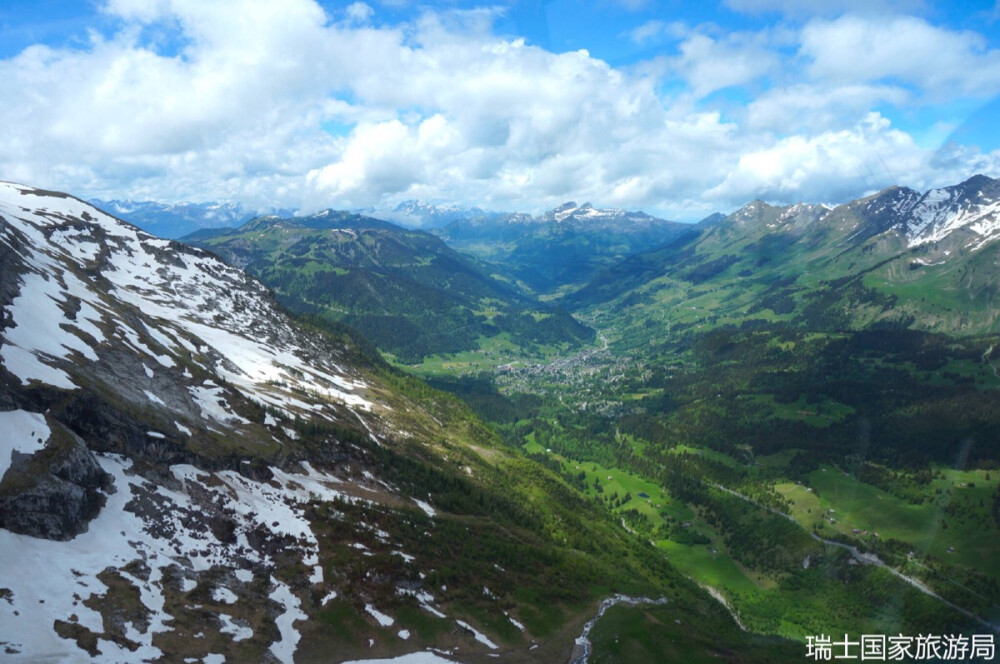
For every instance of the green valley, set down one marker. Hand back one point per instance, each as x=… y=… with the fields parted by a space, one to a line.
x=775 y=386
x=793 y=408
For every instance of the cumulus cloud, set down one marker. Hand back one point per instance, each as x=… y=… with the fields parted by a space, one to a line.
x=833 y=166
x=710 y=64
x=810 y=108
x=282 y=104
x=939 y=62
x=359 y=12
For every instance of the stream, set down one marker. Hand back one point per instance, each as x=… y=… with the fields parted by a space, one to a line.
x=583 y=646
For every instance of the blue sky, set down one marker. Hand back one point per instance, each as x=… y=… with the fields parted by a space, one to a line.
x=677 y=108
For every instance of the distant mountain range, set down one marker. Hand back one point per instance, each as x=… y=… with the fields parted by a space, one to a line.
x=177 y=219
x=898 y=246
x=420 y=214
x=564 y=246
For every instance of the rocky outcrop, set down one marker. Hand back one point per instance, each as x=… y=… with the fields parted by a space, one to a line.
x=53 y=493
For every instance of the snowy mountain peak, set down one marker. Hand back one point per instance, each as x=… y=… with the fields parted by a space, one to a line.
x=565 y=210
x=752 y=212
x=972 y=207
x=589 y=215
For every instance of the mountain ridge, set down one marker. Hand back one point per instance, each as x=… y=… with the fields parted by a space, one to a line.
x=405 y=289
x=896 y=257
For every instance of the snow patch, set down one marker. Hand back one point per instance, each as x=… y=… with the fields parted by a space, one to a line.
x=239 y=630
x=284 y=647
x=412 y=658
x=479 y=636
x=23 y=432
x=383 y=619
x=428 y=510
x=224 y=595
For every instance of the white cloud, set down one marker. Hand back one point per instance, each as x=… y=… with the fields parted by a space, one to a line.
x=443 y=109
x=359 y=12
x=649 y=31
x=811 y=108
x=655 y=30
x=834 y=166
x=941 y=63
x=713 y=64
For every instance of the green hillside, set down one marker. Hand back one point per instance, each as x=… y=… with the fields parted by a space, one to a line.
x=404 y=290
x=820 y=269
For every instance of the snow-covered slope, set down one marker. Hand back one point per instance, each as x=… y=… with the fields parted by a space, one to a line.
x=156 y=500
x=91 y=285
x=965 y=216
x=972 y=206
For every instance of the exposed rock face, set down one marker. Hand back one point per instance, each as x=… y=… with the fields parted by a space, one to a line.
x=53 y=493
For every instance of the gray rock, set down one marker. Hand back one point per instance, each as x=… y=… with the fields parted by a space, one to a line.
x=55 y=492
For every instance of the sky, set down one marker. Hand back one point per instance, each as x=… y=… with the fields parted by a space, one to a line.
x=677 y=108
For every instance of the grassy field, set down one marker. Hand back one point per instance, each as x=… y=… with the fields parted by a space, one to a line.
x=717 y=570
x=657 y=634
x=860 y=510
x=707 y=564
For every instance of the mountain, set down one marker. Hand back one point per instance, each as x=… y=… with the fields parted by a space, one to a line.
x=405 y=290
x=898 y=258
x=971 y=208
x=178 y=219
x=420 y=214
x=798 y=403
x=188 y=473
x=562 y=248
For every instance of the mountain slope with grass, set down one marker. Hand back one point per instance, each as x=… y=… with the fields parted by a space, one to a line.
x=894 y=259
x=788 y=425
x=404 y=290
